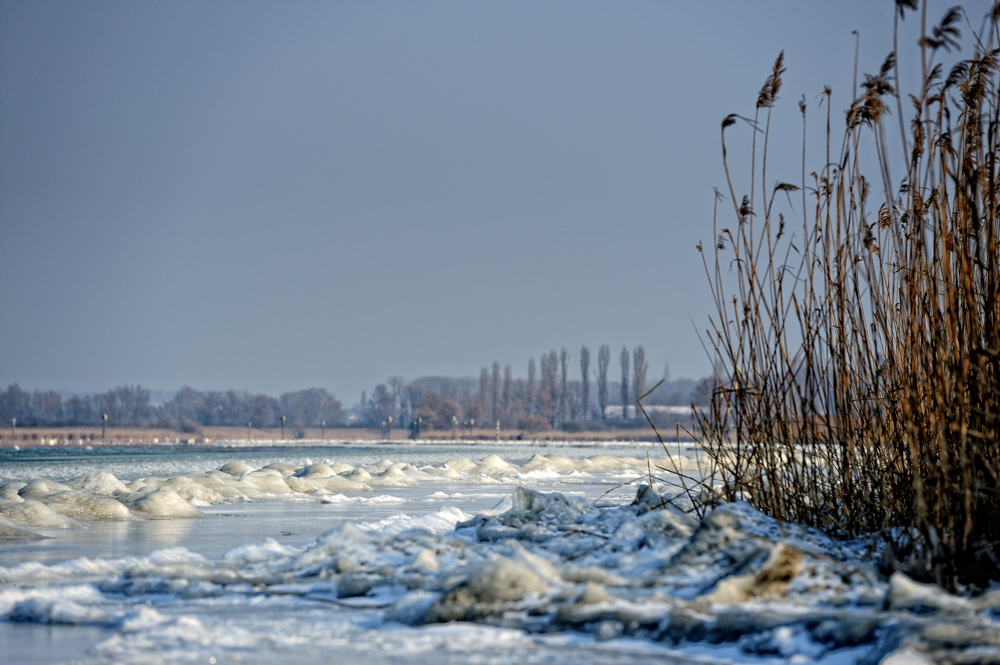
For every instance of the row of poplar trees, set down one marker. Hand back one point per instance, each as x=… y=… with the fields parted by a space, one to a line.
x=549 y=395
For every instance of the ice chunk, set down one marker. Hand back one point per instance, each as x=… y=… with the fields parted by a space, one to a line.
x=315 y=470
x=35 y=513
x=461 y=465
x=79 y=604
x=9 y=491
x=592 y=575
x=496 y=584
x=284 y=469
x=425 y=561
x=206 y=491
x=785 y=641
x=141 y=620
x=393 y=476
x=506 y=580
x=555 y=506
x=336 y=483
x=771 y=579
x=906 y=656
x=269 y=550
x=236 y=469
x=38 y=489
x=411 y=607
x=501 y=506
x=164 y=502
x=100 y=482
x=265 y=480
x=85 y=506
x=907 y=594
x=443 y=520
x=10 y=530
x=495 y=467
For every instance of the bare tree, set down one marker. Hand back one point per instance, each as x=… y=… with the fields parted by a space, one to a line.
x=531 y=386
x=639 y=369
x=397 y=386
x=304 y=408
x=484 y=393
x=495 y=394
x=508 y=390
x=382 y=405
x=549 y=393
x=624 y=361
x=125 y=405
x=603 y=360
x=563 y=384
x=585 y=388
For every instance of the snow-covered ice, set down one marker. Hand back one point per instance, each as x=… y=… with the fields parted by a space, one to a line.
x=471 y=559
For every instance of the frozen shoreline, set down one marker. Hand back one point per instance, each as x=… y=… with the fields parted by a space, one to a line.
x=187 y=443
x=422 y=568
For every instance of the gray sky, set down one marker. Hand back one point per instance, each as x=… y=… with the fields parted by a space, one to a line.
x=277 y=195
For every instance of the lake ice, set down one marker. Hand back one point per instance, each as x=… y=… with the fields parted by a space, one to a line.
x=436 y=553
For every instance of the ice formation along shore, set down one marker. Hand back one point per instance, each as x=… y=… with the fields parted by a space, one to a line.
x=102 y=496
x=537 y=565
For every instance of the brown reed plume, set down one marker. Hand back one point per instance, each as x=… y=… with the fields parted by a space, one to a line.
x=858 y=353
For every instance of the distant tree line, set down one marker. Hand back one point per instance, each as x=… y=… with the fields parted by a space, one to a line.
x=548 y=397
x=129 y=406
x=553 y=394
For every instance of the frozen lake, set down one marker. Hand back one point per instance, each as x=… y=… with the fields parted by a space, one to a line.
x=491 y=553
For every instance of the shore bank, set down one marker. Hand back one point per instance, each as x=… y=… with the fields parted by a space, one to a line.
x=36 y=437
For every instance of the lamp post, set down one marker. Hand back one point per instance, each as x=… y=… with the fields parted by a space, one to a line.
x=454 y=427
x=388 y=429
x=13 y=424
x=248 y=432
x=323 y=425
x=472 y=426
x=104 y=427
x=282 y=428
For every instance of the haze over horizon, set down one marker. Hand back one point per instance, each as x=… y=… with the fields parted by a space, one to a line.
x=270 y=197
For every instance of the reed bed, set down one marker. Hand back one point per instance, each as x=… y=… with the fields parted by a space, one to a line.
x=858 y=348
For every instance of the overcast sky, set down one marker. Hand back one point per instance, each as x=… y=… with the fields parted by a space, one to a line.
x=277 y=195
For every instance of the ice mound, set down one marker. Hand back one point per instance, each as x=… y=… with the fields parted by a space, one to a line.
x=83 y=506
x=771 y=578
x=164 y=502
x=98 y=483
x=103 y=496
x=486 y=592
x=35 y=513
x=9 y=530
x=9 y=491
x=314 y=470
x=236 y=469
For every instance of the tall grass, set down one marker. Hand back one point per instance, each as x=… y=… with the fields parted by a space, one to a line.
x=858 y=349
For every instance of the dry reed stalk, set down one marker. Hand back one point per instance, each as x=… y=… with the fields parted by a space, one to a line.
x=859 y=381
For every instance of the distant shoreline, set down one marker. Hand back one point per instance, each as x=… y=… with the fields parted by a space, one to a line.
x=81 y=437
